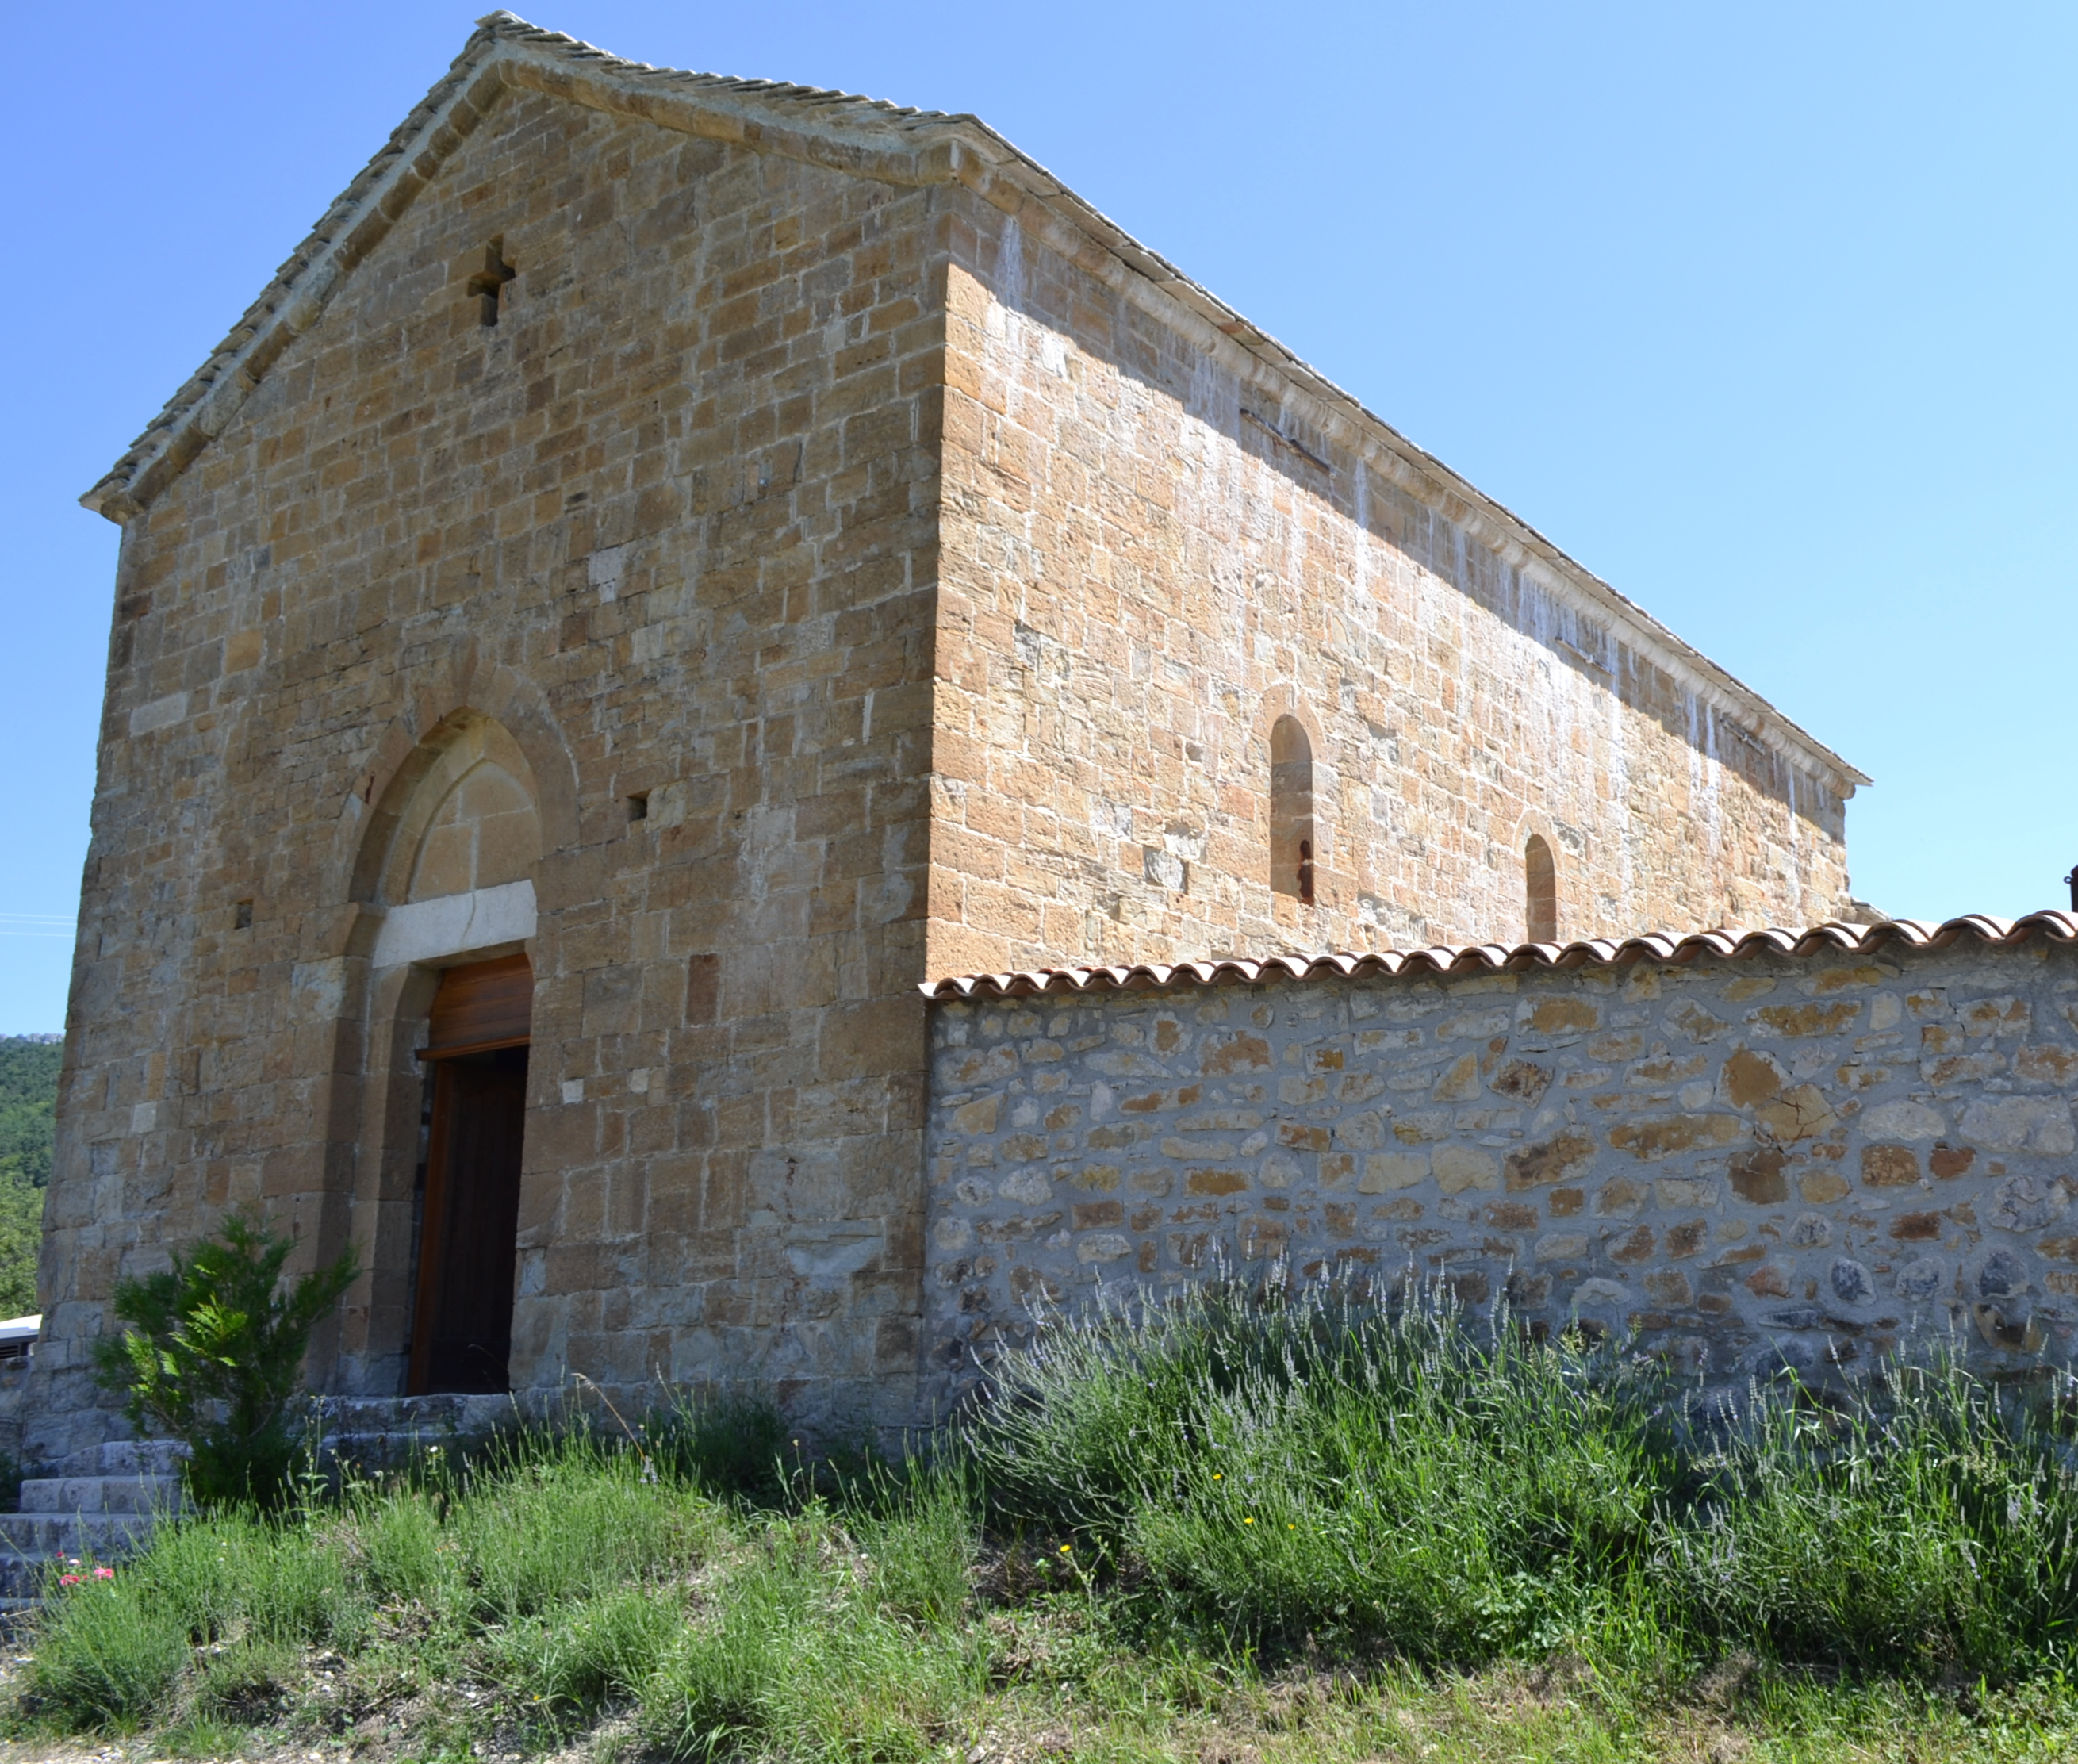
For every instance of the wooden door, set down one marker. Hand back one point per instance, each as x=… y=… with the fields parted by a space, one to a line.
x=461 y=1331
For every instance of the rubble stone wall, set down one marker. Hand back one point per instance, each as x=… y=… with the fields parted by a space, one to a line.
x=1744 y=1162
x=1154 y=546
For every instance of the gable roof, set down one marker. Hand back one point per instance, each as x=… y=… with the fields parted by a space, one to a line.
x=900 y=145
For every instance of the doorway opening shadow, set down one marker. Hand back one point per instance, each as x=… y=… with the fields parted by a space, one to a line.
x=468 y=1204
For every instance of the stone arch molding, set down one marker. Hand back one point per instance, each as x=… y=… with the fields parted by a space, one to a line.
x=1283 y=701
x=1278 y=703
x=441 y=840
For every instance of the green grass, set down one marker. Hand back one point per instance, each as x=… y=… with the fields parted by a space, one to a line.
x=1231 y=1530
x=1452 y=1494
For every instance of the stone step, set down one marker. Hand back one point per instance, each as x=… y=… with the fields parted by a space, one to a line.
x=433 y=1415
x=33 y=1544
x=22 y=1581
x=43 y=1537
x=141 y=1458
x=68 y=1495
x=390 y=1433
x=386 y=1451
x=121 y=1457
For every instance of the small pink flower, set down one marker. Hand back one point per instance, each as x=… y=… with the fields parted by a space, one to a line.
x=70 y=1580
x=104 y=1574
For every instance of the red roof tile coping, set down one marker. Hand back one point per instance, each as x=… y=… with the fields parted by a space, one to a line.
x=1831 y=939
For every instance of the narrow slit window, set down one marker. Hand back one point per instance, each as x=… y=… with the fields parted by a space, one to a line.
x=1292 y=839
x=638 y=806
x=241 y=917
x=1541 y=885
x=488 y=284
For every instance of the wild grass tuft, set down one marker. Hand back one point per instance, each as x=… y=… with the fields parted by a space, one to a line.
x=1289 y=1469
x=1924 y=1523
x=1319 y=1467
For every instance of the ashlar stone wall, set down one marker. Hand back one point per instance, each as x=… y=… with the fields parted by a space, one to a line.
x=1748 y=1161
x=666 y=530
x=1154 y=546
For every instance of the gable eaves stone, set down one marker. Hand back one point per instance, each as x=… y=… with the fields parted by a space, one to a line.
x=891 y=143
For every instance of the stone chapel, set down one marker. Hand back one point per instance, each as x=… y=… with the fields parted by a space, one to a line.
x=670 y=565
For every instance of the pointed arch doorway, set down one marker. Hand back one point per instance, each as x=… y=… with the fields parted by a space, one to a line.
x=469 y=1210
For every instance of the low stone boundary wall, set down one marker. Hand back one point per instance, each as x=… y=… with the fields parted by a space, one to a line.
x=1744 y=1159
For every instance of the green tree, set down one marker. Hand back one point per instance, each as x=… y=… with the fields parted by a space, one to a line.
x=21 y=1236
x=214 y=1352
x=28 y=1105
x=28 y=1113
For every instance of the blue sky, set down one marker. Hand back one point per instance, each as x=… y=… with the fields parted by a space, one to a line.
x=1764 y=313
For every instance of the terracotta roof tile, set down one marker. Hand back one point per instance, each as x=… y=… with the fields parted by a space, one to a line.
x=1831 y=939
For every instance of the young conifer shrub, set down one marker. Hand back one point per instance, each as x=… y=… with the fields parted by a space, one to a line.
x=214 y=1352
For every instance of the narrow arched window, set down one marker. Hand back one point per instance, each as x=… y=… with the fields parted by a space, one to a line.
x=1292 y=845
x=1541 y=879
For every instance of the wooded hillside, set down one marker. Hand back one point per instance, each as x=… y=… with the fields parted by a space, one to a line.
x=28 y=1110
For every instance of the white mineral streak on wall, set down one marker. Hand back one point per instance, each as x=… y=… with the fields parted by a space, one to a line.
x=1702 y=797
x=1789 y=820
x=1747 y=1163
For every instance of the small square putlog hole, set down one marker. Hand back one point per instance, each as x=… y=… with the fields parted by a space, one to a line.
x=241 y=917
x=638 y=807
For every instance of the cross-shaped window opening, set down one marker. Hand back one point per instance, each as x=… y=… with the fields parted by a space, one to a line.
x=489 y=282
